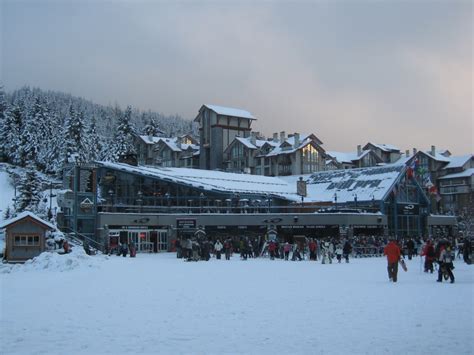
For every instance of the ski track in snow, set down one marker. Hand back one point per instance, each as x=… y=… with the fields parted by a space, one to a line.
x=159 y=304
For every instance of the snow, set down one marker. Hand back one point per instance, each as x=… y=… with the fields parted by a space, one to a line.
x=458 y=162
x=465 y=173
x=229 y=111
x=158 y=304
x=347 y=157
x=367 y=184
x=214 y=180
x=7 y=191
x=385 y=147
x=23 y=215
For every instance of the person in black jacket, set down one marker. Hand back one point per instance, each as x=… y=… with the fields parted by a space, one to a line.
x=410 y=248
x=346 y=250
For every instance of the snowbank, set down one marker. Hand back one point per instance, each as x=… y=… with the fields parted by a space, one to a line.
x=53 y=261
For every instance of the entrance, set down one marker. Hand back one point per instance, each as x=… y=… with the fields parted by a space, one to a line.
x=146 y=241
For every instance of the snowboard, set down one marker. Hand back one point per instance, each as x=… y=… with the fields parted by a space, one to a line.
x=402 y=263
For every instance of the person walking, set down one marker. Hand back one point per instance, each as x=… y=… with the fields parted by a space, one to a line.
x=339 y=253
x=286 y=250
x=312 y=249
x=218 y=248
x=346 y=250
x=429 y=253
x=446 y=263
x=392 y=251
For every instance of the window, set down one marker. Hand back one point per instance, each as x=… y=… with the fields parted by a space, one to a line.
x=309 y=159
x=27 y=240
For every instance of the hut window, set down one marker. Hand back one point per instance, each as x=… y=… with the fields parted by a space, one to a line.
x=30 y=240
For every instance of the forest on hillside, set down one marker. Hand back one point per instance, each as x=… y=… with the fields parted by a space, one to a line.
x=46 y=129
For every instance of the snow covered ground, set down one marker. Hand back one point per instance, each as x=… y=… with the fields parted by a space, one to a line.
x=155 y=303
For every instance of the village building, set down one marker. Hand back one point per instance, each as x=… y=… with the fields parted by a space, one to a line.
x=25 y=236
x=359 y=159
x=218 y=126
x=386 y=152
x=153 y=206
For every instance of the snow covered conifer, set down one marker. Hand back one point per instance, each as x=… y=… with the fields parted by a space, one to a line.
x=29 y=191
x=123 y=139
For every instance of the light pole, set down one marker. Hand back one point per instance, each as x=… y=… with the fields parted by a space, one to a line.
x=168 y=196
x=201 y=199
x=335 y=200
x=355 y=200
x=139 y=200
x=111 y=195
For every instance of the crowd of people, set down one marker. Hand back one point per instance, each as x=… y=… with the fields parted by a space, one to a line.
x=438 y=254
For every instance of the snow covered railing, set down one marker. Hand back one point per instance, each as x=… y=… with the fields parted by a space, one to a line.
x=81 y=239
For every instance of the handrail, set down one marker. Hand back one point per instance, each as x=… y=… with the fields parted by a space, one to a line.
x=95 y=244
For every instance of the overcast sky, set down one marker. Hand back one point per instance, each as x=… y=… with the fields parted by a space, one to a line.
x=395 y=72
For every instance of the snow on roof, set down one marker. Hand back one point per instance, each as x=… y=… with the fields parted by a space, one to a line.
x=385 y=147
x=367 y=184
x=347 y=157
x=25 y=214
x=465 y=173
x=172 y=143
x=213 y=180
x=229 y=111
x=284 y=147
x=437 y=156
x=247 y=142
x=150 y=139
x=458 y=162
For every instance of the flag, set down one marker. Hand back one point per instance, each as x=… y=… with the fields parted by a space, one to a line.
x=428 y=183
x=438 y=197
x=433 y=190
x=412 y=168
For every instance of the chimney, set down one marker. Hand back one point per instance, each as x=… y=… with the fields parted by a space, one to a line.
x=297 y=140
x=282 y=136
x=433 y=150
x=407 y=153
x=275 y=137
x=359 y=150
x=414 y=151
x=253 y=138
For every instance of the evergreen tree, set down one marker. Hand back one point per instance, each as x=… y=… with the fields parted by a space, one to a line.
x=151 y=127
x=94 y=142
x=75 y=143
x=123 y=139
x=29 y=191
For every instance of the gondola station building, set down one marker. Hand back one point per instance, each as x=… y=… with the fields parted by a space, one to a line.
x=112 y=203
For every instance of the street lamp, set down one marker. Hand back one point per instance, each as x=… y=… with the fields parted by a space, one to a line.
x=355 y=200
x=111 y=195
x=168 y=196
x=139 y=200
x=335 y=200
x=201 y=199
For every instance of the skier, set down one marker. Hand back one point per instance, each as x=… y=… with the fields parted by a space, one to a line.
x=410 y=248
x=392 y=251
x=445 y=263
x=296 y=253
x=227 y=249
x=133 y=250
x=312 y=250
x=339 y=253
x=346 y=250
x=429 y=253
x=286 y=250
x=124 y=249
x=218 y=248
x=271 y=249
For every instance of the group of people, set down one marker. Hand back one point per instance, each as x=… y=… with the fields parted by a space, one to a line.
x=440 y=253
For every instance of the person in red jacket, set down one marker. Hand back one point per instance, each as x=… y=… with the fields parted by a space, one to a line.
x=392 y=251
x=429 y=253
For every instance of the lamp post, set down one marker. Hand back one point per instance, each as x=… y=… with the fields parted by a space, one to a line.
x=111 y=195
x=168 y=196
x=355 y=200
x=335 y=200
x=139 y=200
x=201 y=199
